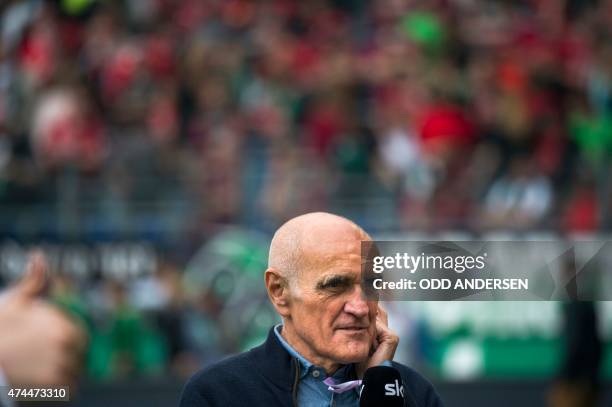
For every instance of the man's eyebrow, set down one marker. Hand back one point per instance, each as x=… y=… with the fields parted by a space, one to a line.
x=334 y=279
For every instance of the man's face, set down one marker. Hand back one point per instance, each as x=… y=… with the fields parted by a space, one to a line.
x=329 y=311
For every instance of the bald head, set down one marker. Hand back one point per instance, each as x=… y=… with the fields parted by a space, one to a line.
x=306 y=239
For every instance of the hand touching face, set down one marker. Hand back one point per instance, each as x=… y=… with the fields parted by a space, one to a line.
x=384 y=343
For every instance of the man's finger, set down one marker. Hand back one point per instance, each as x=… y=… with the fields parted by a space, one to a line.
x=34 y=281
x=382 y=314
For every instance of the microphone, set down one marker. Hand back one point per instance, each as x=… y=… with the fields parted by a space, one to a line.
x=381 y=386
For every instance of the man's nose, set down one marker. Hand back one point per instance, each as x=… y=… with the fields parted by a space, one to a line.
x=357 y=304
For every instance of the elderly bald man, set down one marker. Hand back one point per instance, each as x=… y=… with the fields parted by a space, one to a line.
x=329 y=328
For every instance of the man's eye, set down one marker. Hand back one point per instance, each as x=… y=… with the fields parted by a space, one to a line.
x=334 y=284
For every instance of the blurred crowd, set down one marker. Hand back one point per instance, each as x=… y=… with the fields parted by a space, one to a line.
x=173 y=318
x=143 y=327
x=402 y=114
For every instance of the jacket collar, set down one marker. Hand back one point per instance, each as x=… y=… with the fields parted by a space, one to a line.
x=276 y=364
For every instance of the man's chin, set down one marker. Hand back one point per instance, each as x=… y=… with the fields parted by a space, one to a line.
x=352 y=351
x=352 y=357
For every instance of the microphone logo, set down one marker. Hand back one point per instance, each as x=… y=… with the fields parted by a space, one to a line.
x=394 y=389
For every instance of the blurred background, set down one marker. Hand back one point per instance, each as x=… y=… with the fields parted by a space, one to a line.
x=151 y=147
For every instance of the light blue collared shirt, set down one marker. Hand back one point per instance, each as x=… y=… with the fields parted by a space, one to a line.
x=312 y=392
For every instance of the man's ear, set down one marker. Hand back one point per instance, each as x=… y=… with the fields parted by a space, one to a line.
x=278 y=291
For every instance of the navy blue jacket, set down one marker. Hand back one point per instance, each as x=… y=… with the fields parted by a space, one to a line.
x=267 y=376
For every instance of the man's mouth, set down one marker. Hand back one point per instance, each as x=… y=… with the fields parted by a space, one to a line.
x=354 y=328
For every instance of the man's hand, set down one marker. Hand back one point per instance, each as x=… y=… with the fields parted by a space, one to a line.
x=384 y=344
x=39 y=345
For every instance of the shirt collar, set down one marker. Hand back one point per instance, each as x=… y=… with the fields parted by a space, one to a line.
x=308 y=367
x=305 y=364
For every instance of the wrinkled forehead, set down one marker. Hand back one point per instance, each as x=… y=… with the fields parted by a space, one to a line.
x=333 y=247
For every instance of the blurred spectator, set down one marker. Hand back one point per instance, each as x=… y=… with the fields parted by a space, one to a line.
x=519 y=199
x=581 y=214
x=578 y=383
x=127 y=344
x=45 y=346
x=66 y=132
